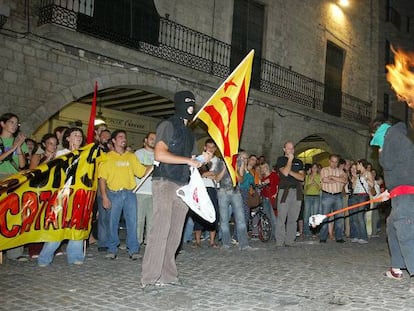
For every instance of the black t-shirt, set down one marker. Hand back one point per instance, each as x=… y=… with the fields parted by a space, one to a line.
x=289 y=181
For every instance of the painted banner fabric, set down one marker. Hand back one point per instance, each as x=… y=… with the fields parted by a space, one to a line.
x=52 y=202
x=224 y=113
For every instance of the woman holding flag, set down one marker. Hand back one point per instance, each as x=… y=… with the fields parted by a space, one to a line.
x=72 y=140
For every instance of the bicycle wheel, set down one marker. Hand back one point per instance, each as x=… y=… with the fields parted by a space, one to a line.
x=265 y=228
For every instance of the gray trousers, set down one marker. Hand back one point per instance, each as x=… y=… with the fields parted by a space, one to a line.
x=287 y=216
x=165 y=234
x=144 y=219
x=14 y=253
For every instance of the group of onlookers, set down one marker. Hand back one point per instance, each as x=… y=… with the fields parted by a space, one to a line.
x=290 y=193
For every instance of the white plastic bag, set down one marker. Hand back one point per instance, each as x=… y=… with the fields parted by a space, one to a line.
x=196 y=197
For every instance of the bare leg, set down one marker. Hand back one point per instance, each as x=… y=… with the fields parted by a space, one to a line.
x=330 y=230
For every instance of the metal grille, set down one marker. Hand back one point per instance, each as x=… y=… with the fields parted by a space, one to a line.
x=187 y=47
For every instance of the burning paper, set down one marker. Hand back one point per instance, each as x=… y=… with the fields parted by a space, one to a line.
x=401 y=76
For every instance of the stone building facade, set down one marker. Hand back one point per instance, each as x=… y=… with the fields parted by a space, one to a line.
x=45 y=66
x=396 y=32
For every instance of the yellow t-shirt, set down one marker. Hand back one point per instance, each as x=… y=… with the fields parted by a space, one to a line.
x=119 y=170
x=313 y=187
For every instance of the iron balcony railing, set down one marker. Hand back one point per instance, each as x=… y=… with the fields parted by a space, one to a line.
x=185 y=46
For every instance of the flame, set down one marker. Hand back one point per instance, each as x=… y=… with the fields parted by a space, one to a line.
x=401 y=76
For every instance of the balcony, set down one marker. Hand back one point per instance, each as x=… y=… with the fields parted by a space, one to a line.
x=181 y=45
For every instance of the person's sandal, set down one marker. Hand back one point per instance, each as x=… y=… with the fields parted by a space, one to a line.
x=214 y=245
x=395 y=274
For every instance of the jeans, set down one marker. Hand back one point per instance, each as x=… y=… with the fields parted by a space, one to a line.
x=103 y=223
x=268 y=209
x=376 y=225
x=246 y=209
x=400 y=230
x=188 y=230
x=74 y=251
x=233 y=199
x=144 y=217
x=331 y=203
x=312 y=207
x=358 y=229
x=123 y=201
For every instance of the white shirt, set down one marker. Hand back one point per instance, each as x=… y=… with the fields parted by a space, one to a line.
x=208 y=182
x=146 y=157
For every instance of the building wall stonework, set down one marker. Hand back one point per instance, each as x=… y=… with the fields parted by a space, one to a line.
x=43 y=68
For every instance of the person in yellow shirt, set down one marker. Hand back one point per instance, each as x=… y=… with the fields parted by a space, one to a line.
x=116 y=183
x=312 y=199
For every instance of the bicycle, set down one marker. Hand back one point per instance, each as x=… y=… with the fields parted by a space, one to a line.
x=260 y=223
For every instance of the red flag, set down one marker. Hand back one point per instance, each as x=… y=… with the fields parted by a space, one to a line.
x=91 y=126
x=224 y=112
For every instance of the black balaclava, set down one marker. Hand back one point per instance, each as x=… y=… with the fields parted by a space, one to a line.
x=183 y=100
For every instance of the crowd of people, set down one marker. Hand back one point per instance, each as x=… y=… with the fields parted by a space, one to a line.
x=154 y=216
x=290 y=193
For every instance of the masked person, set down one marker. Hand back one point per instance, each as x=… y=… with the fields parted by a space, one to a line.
x=174 y=152
x=396 y=154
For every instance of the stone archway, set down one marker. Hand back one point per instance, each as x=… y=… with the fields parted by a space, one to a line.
x=150 y=81
x=323 y=141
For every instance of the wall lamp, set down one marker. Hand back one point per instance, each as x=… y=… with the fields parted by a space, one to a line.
x=4 y=14
x=343 y=3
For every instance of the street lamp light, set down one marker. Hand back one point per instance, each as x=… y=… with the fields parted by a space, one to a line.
x=343 y=3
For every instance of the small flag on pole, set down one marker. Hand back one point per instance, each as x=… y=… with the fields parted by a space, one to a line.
x=91 y=126
x=224 y=113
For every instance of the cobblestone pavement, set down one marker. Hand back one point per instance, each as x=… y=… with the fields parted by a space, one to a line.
x=307 y=276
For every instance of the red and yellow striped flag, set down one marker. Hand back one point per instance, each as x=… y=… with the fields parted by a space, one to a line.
x=224 y=113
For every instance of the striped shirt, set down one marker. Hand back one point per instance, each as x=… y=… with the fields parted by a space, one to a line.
x=361 y=185
x=333 y=186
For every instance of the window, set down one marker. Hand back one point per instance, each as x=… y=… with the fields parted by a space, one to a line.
x=388 y=54
x=332 y=103
x=247 y=34
x=395 y=18
x=125 y=20
x=386 y=108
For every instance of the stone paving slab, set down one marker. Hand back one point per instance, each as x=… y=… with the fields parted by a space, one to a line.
x=308 y=276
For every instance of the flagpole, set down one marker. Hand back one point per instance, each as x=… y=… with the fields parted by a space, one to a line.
x=221 y=85
x=92 y=116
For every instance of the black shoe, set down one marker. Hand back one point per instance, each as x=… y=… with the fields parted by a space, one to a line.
x=102 y=249
x=340 y=241
x=322 y=241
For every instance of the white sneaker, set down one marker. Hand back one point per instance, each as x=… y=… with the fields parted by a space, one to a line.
x=361 y=241
x=111 y=256
x=354 y=240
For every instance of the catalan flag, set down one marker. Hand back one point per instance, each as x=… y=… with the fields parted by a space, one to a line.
x=224 y=113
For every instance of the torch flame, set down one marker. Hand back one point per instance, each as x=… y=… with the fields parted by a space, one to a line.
x=401 y=76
